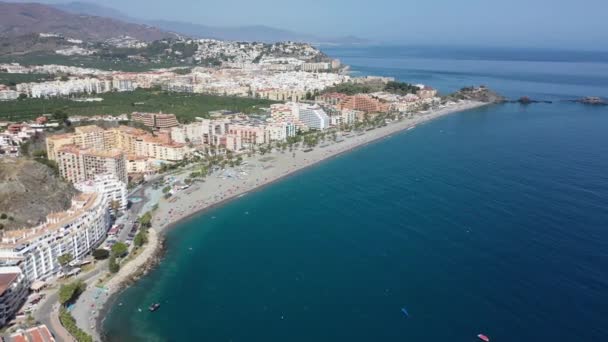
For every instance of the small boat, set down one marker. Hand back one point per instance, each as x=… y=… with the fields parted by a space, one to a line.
x=404 y=310
x=483 y=337
x=154 y=307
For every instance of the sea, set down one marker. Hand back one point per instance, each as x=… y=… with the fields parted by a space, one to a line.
x=493 y=221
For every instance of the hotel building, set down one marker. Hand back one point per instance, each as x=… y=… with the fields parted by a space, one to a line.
x=78 y=165
x=313 y=116
x=364 y=103
x=155 y=121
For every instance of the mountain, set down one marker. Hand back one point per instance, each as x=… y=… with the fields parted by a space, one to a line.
x=19 y=19
x=250 y=33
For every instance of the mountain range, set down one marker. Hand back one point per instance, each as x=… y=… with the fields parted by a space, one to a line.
x=90 y=21
x=21 y=19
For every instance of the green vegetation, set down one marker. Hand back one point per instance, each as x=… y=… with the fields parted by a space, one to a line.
x=141 y=238
x=101 y=254
x=350 y=88
x=13 y=79
x=119 y=250
x=113 y=265
x=68 y=293
x=185 y=106
x=69 y=323
x=400 y=88
x=146 y=220
x=65 y=259
x=114 y=60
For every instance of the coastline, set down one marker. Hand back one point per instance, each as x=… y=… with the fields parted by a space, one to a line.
x=216 y=190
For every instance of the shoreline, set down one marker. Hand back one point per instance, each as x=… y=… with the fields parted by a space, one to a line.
x=215 y=192
x=441 y=113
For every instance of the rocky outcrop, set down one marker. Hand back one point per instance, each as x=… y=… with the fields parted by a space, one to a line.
x=29 y=191
x=592 y=100
x=481 y=94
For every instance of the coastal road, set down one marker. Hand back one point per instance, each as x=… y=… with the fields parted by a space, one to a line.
x=47 y=312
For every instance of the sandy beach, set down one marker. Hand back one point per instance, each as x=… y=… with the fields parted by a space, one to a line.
x=255 y=172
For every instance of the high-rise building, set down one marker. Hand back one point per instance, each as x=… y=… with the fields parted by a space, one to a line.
x=78 y=165
x=313 y=116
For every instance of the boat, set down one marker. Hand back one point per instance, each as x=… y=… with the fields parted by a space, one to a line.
x=404 y=310
x=154 y=307
x=483 y=337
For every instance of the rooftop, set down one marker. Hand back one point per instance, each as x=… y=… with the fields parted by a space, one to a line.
x=88 y=129
x=37 y=334
x=6 y=279
x=55 y=221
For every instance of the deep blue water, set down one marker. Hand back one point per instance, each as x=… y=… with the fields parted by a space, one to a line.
x=493 y=220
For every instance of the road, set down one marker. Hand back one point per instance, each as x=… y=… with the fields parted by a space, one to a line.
x=47 y=312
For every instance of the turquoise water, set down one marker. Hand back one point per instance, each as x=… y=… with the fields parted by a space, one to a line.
x=494 y=220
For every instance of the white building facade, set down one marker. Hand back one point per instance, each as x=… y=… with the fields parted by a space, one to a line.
x=76 y=231
x=313 y=116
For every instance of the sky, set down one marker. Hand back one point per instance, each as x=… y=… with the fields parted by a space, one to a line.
x=541 y=23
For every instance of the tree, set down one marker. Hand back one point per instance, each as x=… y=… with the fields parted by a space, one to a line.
x=3 y=216
x=146 y=220
x=113 y=265
x=119 y=249
x=101 y=254
x=141 y=238
x=60 y=115
x=65 y=259
x=68 y=293
x=166 y=189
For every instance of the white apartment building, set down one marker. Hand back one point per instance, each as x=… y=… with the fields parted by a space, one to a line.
x=313 y=67
x=111 y=187
x=8 y=95
x=313 y=116
x=279 y=131
x=192 y=132
x=76 y=231
x=13 y=292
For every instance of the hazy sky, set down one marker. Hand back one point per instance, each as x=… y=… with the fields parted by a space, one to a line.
x=554 y=23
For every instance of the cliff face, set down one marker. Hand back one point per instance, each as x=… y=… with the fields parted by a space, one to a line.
x=482 y=94
x=29 y=191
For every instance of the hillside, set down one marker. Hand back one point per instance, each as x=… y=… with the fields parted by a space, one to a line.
x=248 y=33
x=19 y=19
x=29 y=191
